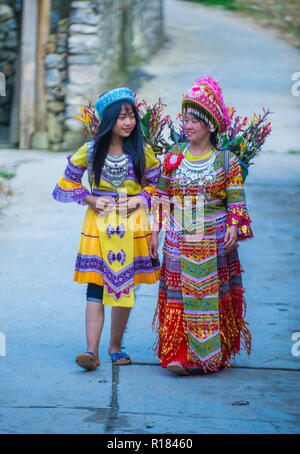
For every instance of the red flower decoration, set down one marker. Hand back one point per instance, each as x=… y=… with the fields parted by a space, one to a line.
x=173 y=160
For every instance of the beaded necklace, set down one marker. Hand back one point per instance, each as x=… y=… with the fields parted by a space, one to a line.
x=115 y=168
x=192 y=177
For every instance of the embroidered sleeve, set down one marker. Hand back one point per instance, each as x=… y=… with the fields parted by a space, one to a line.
x=153 y=168
x=237 y=213
x=69 y=187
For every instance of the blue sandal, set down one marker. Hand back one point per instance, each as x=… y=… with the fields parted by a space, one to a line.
x=120 y=358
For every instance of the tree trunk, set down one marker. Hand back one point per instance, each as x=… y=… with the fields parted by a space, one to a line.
x=43 y=36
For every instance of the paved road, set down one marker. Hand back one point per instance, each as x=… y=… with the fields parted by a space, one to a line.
x=42 y=310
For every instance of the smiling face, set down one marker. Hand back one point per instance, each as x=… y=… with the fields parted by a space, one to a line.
x=195 y=129
x=125 y=123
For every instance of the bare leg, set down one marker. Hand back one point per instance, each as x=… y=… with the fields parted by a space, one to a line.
x=94 y=320
x=119 y=318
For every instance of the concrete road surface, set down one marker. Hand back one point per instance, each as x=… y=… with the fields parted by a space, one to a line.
x=42 y=309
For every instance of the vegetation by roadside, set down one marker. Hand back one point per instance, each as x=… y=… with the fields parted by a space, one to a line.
x=283 y=15
x=5 y=186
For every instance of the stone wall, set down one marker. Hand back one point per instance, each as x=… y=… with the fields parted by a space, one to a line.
x=8 y=61
x=106 y=39
x=93 y=46
x=56 y=80
x=93 y=49
x=147 y=24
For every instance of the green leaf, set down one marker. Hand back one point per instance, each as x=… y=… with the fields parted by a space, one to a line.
x=145 y=123
x=5 y=174
x=175 y=137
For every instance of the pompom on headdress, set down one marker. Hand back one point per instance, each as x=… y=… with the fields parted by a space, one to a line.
x=205 y=100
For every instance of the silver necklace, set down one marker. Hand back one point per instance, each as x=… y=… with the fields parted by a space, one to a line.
x=115 y=168
x=190 y=172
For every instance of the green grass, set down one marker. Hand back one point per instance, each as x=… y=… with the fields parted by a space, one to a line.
x=5 y=190
x=4 y=174
x=227 y=4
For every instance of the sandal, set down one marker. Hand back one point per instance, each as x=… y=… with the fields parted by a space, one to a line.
x=176 y=367
x=87 y=361
x=120 y=358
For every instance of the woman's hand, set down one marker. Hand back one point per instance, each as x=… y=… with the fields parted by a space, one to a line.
x=230 y=239
x=153 y=246
x=101 y=205
x=128 y=205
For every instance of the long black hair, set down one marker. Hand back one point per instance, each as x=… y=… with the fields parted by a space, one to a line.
x=132 y=145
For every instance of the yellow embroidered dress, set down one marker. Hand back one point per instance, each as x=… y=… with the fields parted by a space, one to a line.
x=113 y=249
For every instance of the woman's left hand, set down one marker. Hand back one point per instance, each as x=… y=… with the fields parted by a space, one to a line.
x=230 y=239
x=128 y=205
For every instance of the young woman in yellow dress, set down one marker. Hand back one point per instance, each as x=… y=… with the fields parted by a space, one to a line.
x=113 y=252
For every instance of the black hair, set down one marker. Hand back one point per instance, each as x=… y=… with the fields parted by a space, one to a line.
x=214 y=139
x=132 y=145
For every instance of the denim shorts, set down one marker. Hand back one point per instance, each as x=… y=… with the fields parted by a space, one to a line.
x=94 y=292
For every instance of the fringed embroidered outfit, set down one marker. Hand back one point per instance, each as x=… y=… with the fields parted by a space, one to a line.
x=201 y=302
x=113 y=249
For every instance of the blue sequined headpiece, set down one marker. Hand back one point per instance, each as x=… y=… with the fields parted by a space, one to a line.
x=113 y=96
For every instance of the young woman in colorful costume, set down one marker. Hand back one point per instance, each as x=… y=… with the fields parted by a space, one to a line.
x=113 y=253
x=201 y=299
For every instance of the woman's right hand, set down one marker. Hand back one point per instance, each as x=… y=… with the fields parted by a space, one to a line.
x=153 y=246
x=101 y=205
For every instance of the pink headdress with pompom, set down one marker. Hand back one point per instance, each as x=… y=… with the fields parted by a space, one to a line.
x=205 y=100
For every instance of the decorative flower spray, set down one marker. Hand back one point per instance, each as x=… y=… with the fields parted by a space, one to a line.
x=243 y=138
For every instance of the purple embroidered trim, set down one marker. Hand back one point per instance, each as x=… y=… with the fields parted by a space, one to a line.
x=146 y=198
x=75 y=168
x=69 y=195
x=90 y=236
x=140 y=237
x=73 y=173
x=96 y=264
x=118 y=294
x=102 y=192
x=71 y=176
x=152 y=175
